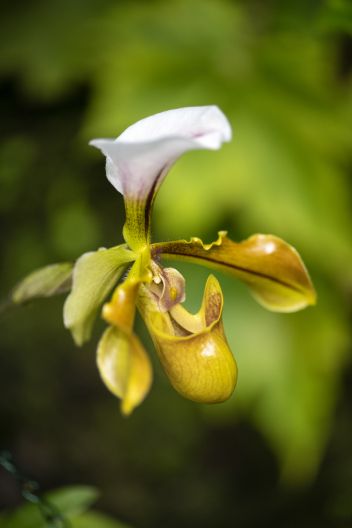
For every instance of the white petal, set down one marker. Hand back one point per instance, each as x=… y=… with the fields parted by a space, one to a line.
x=191 y=122
x=138 y=160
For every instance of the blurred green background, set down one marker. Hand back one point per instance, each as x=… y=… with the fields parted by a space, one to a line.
x=279 y=452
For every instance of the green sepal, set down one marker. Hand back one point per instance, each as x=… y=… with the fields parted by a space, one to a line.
x=44 y=282
x=94 y=276
x=136 y=230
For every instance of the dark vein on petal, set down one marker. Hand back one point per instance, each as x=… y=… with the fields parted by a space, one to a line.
x=149 y=203
x=236 y=267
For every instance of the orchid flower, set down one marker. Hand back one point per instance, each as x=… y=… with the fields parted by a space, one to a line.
x=192 y=348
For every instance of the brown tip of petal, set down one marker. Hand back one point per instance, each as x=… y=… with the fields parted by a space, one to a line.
x=212 y=301
x=285 y=285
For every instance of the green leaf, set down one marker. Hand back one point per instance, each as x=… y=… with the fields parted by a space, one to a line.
x=69 y=501
x=44 y=282
x=73 y=500
x=27 y=516
x=94 y=276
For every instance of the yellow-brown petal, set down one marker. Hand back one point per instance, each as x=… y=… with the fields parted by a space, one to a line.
x=272 y=269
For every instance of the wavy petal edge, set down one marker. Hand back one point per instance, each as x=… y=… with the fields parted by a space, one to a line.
x=271 y=268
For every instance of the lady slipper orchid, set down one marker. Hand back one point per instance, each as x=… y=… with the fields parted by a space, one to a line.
x=192 y=348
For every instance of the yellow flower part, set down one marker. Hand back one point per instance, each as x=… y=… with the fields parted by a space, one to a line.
x=124 y=367
x=193 y=349
x=123 y=363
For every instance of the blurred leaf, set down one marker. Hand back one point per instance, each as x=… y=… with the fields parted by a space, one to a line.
x=48 y=71
x=289 y=375
x=70 y=502
x=337 y=15
x=45 y=282
x=73 y=500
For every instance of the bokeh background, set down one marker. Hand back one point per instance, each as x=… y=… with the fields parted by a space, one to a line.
x=279 y=453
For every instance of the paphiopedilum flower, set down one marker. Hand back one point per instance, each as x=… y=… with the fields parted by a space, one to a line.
x=192 y=348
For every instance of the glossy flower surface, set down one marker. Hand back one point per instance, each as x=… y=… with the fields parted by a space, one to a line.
x=192 y=348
